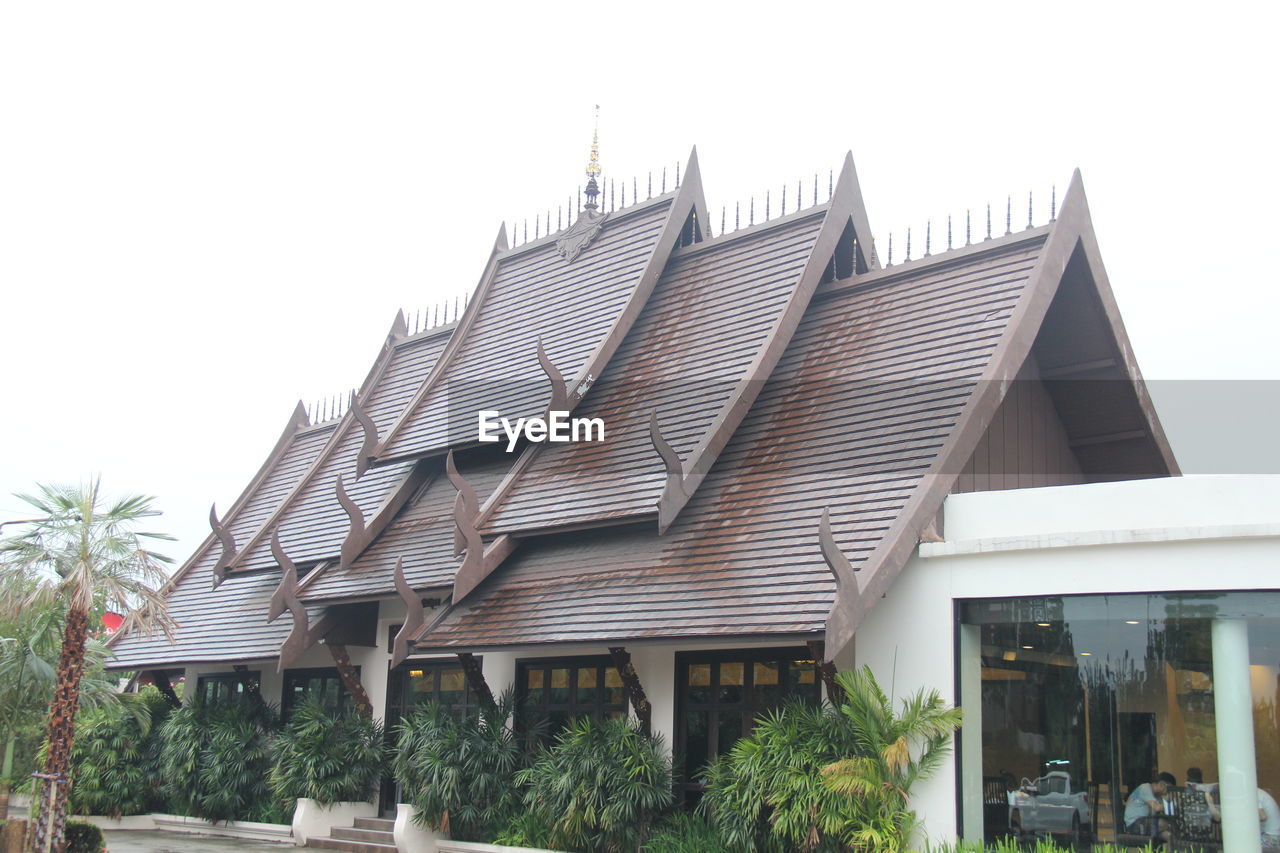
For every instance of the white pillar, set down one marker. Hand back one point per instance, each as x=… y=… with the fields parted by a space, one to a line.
x=1233 y=717
x=970 y=652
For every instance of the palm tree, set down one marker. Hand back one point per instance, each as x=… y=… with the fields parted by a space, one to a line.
x=84 y=556
x=28 y=656
x=894 y=751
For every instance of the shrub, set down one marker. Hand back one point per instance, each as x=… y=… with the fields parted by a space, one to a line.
x=684 y=833
x=600 y=786
x=215 y=760
x=458 y=772
x=331 y=757
x=83 y=837
x=833 y=777
x=114 y=757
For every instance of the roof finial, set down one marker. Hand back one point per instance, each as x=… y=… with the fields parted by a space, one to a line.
x=593 y=166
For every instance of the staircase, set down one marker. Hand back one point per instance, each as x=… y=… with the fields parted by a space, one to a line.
x=369 y=835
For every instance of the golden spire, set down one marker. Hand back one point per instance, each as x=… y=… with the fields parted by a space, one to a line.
x=593 y=166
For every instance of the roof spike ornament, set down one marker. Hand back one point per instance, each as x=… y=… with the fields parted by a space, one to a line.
x=988 y=220
x=968 y=228
x=677 y=174
x=1008 y=216
x=815 y=189
x=1053 y=203
x=575 y=239
x=948 y=232
x=784 y=199
x=928 y=237
x=890 y=250
x=664 y=180
x=766 y=205
x=722 y=215
x=908 y=257
x=593 y=166
x=1030 y=209
x=831 y=183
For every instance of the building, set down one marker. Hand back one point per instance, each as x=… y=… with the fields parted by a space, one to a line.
x=784 y=419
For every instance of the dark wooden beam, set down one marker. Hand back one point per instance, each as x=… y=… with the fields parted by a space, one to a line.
x=631 y=683
x=160 y=679
x=350 y=678
x=1076 y=369
x=1089 y=440
x=826 y=671
x=475 y=678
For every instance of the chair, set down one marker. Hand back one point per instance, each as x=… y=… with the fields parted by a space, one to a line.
x=995 y=807
x=1193 y=825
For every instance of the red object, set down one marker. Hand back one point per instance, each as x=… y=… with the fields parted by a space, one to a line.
x=111 y=622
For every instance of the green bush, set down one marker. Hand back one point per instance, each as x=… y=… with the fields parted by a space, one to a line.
x=600 y=786
x=458 y=772
x=684 y=833
x=215 y=760
x=331 y=757
x=115 y=755
x=831 y=778
x=84 y=837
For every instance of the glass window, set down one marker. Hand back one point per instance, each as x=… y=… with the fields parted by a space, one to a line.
x=417 y=682
x=322 y=683
x=1085 y=699
x=558 y=690
x=225 y=686
x=720 y=694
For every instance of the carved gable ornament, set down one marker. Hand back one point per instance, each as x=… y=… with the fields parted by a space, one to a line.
x=579 y=235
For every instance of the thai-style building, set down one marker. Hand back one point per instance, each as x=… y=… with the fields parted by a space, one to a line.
x=785 y=412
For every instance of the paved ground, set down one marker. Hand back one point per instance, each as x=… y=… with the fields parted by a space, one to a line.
x=154 y=841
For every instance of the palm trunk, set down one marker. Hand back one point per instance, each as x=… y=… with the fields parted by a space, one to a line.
x=6 y=775
x=50 y=820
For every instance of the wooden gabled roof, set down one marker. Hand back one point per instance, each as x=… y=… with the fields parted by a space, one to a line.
x=226 y=621
x=878 y=402
x=310 y=519
x=780 y=401
x=578 y=310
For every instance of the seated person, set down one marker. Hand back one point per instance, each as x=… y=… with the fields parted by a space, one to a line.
x=1195 y=782
x=1147 y=803
x=1269 y=817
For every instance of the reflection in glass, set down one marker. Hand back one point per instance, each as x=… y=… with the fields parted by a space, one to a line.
x=1098 y=694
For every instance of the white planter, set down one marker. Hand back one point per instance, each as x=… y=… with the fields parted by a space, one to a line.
x=312 y=820
x=475 y=847
x=137 y=821
x=412 y=837
x=245 y=829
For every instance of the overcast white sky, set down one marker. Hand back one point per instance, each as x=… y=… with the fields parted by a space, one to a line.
x=209 y=211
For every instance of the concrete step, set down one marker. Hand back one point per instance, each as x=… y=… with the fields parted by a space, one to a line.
x=349 y=846
x=381 y=824
x=377 y=836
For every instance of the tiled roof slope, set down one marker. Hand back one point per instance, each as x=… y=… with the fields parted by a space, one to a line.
x=313 y=525
x=711 y=312
x=229 y=622
x=533 y=294
x=422 y=534
x=869 y=390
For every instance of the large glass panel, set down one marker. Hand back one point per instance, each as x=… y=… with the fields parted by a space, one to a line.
x=1087 y=701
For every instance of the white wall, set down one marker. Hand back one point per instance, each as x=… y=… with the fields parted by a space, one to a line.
x=1193 y=533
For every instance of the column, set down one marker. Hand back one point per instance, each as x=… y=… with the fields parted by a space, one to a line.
x=1233 y=717
x=970 y=652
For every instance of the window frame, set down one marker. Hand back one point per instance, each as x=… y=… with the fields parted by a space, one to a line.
x=688 y=789
x=599 y=709
x=236 y=679
x=287 y=700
